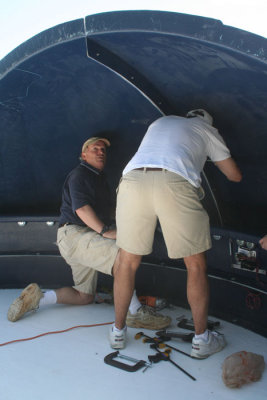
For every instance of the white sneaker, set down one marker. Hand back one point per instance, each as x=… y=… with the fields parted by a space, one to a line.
x=117 y=339
x=202 y=349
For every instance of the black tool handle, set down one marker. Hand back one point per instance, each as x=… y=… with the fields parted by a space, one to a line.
x=110 y=360
x=186 y=324
x=181 y=369
x=166 y=357
x=155 y=358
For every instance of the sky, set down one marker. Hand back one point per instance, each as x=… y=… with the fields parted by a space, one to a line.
x=22 y=19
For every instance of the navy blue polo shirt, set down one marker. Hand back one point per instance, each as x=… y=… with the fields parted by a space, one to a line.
x=85 y=185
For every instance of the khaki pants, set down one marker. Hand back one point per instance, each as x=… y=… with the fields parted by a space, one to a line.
x=147 y=196
x=86 y=252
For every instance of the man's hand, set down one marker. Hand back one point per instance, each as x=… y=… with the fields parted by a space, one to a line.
x=110 y=234
x=263 y=242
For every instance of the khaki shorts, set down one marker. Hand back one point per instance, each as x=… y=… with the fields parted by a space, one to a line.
x=86 y=252
x=147 y=196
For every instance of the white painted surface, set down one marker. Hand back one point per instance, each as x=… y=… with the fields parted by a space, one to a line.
x=70 y=365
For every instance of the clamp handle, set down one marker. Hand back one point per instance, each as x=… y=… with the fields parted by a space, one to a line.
x=110 y=360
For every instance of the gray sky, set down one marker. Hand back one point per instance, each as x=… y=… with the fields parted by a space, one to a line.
x=22 y=19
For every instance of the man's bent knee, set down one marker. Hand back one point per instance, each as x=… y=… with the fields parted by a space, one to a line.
x=127 y=261
x=130 y=260
x=196 y=262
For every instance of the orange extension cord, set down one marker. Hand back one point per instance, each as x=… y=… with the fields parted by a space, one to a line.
x=51 y=333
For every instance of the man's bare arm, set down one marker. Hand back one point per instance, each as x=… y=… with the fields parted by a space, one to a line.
x=263 y=242
x=230 y=169
x=89 y=217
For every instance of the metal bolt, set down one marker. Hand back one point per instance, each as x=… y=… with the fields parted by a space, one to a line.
x=250 y=245
x=217 y=237
x=147 y=365
x=50 y=223
x=127 y=358
x=22 y=223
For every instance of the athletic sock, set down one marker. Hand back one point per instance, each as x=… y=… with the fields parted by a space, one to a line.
x=118 y=330
x=49 y=297
x=203 y=336
x=135 y=304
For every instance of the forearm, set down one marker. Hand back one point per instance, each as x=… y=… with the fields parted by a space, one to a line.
x=89 y=217
x=230 y=169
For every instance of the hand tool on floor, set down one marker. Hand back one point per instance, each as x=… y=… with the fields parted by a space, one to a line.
x=166 y=335
x=165 y=356
x=189 y=324
x=110 y=359
x=160 y=343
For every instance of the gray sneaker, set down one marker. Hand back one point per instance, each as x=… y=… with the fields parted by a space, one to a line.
x=202 y=349
x=147 y=318
x=28 y=300
x=117 y=339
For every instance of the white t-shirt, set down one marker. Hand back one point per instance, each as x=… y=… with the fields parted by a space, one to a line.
x=180 y=145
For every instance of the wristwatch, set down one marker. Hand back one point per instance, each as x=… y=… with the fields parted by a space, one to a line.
x=104 y=229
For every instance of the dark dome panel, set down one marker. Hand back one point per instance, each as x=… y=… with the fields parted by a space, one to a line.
x=113 y=74
x=52 y=104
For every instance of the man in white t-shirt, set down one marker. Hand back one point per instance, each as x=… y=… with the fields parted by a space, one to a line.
x=162 y=182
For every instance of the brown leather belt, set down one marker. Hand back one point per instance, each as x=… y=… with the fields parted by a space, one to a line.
x=149 y=169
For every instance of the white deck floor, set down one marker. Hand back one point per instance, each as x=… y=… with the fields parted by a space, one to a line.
x=70 y=365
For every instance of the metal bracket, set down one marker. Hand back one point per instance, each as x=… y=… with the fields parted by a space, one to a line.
x=245 y=258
